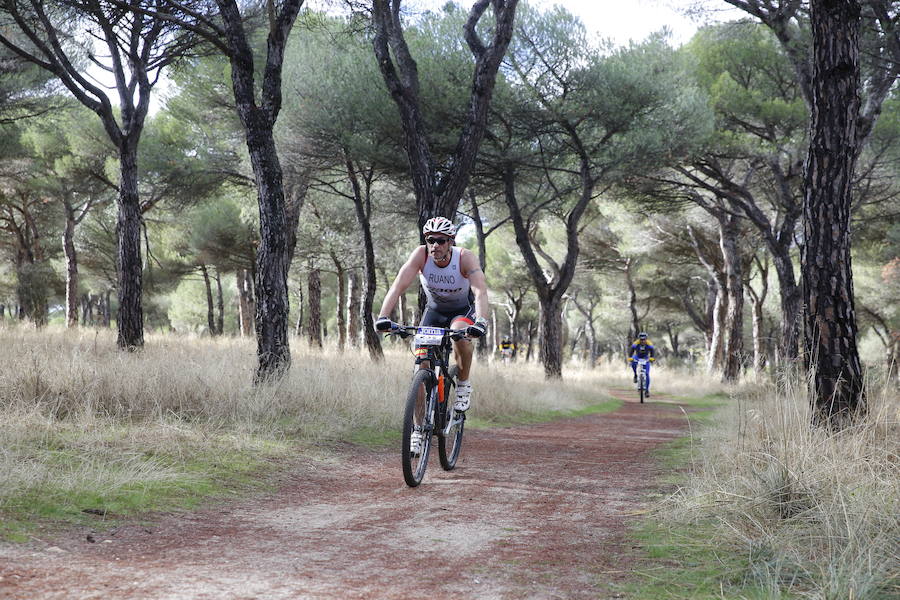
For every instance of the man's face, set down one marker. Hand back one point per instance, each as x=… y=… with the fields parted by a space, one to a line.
x=438 y=246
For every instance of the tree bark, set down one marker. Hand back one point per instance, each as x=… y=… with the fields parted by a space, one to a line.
x=220 y=301
x=258 y=120
x=733 y=346
x=757 y=301
x=341 y=320
x=246 y=302
x=353 y=307
x=210 y=306
x=830 y=326
x=130 y=319
x=71 y=266
x=550 y=353
x=790 y=294
x=632 y=300
x=363 y=205
x=480 y=237
x=314 y=327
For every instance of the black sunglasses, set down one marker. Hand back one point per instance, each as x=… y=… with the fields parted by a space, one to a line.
x=438 y=241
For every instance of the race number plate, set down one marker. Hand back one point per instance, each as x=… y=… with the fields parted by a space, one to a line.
x=429 y=336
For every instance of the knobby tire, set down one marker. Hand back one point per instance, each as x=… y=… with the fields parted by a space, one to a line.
x=414 y=466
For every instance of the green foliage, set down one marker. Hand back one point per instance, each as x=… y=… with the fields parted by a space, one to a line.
x=751 y=85
x=187 y=307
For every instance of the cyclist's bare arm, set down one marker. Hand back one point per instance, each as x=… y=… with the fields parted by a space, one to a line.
x=472 y=270
x=405 y=277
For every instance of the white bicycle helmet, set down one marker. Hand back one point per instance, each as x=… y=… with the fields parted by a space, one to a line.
x=439 y=225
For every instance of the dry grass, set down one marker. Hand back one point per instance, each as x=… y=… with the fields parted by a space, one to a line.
x=78 y=416
x=817 y=513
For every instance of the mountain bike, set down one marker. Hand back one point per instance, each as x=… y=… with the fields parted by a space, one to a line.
x=429 y=404
x=642 y=377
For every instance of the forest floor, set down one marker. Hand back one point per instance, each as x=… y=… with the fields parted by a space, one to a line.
x=531 y=511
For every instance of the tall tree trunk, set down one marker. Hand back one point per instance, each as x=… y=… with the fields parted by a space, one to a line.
x=314 y=327
x=130 y=320
x=757 y=301
x=220 y=302
x=298 y=328
x=71 y=266
x=717 y=304
x=715 y=355
x=532 y=331
x=210 y=306
x=362 y=204
x=830 y=329
x=353 y=307
x=246 y=302
x=87 y=316
x=341 y=320
x=107 y=317
x=790 y=305
x=480 y=238
x=632 y=300
x=759 y=355
x=272 y=305
x=551 y=337
x=258 y=110
x=733 y=349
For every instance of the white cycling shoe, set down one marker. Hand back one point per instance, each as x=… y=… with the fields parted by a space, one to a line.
x=416 y=441
x=463 y=395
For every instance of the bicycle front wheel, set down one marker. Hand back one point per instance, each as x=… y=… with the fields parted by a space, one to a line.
x=418 y=421
x=450 y=444
x=642 y=386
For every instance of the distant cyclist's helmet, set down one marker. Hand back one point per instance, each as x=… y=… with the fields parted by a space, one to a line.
x=439 y=225
x=642 y=336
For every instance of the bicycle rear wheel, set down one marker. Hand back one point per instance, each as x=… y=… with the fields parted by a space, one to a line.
x=418 y=416
x=449 y=445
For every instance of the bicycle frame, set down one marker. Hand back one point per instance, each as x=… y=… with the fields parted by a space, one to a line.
x=434 y=346
x=642 y=372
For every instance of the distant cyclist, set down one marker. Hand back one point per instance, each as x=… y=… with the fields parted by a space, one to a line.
x=507 y=348
x=456 y=291
x=642 y=348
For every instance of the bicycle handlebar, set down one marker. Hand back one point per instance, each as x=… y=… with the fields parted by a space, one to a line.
x=405 y=331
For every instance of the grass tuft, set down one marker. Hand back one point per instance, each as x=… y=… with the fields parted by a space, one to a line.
x=814 y=514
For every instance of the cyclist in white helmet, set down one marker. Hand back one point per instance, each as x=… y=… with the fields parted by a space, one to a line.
x=456 y=290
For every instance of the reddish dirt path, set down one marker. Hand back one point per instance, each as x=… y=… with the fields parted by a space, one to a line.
x=530 y=512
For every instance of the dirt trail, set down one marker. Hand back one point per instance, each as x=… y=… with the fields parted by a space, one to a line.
x=530 y=512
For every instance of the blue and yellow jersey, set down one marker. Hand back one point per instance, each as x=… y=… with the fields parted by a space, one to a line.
x=639 y=350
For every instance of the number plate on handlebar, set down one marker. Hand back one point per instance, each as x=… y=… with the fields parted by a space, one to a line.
x=429 y=336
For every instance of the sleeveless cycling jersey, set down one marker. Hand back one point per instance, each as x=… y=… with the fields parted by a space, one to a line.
x=445 y=287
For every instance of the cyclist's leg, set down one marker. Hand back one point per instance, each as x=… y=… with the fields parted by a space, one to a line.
x=462 y=355
x=634 y=366
x=647 y=369
x=463 y=349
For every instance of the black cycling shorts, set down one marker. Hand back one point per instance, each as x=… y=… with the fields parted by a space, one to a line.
x=438 y=318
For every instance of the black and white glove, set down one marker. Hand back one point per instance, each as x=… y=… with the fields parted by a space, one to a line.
x=478 y=329
x=383 y=324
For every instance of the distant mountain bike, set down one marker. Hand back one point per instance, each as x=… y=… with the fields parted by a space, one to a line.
x=642 y=378
x=429 y=403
